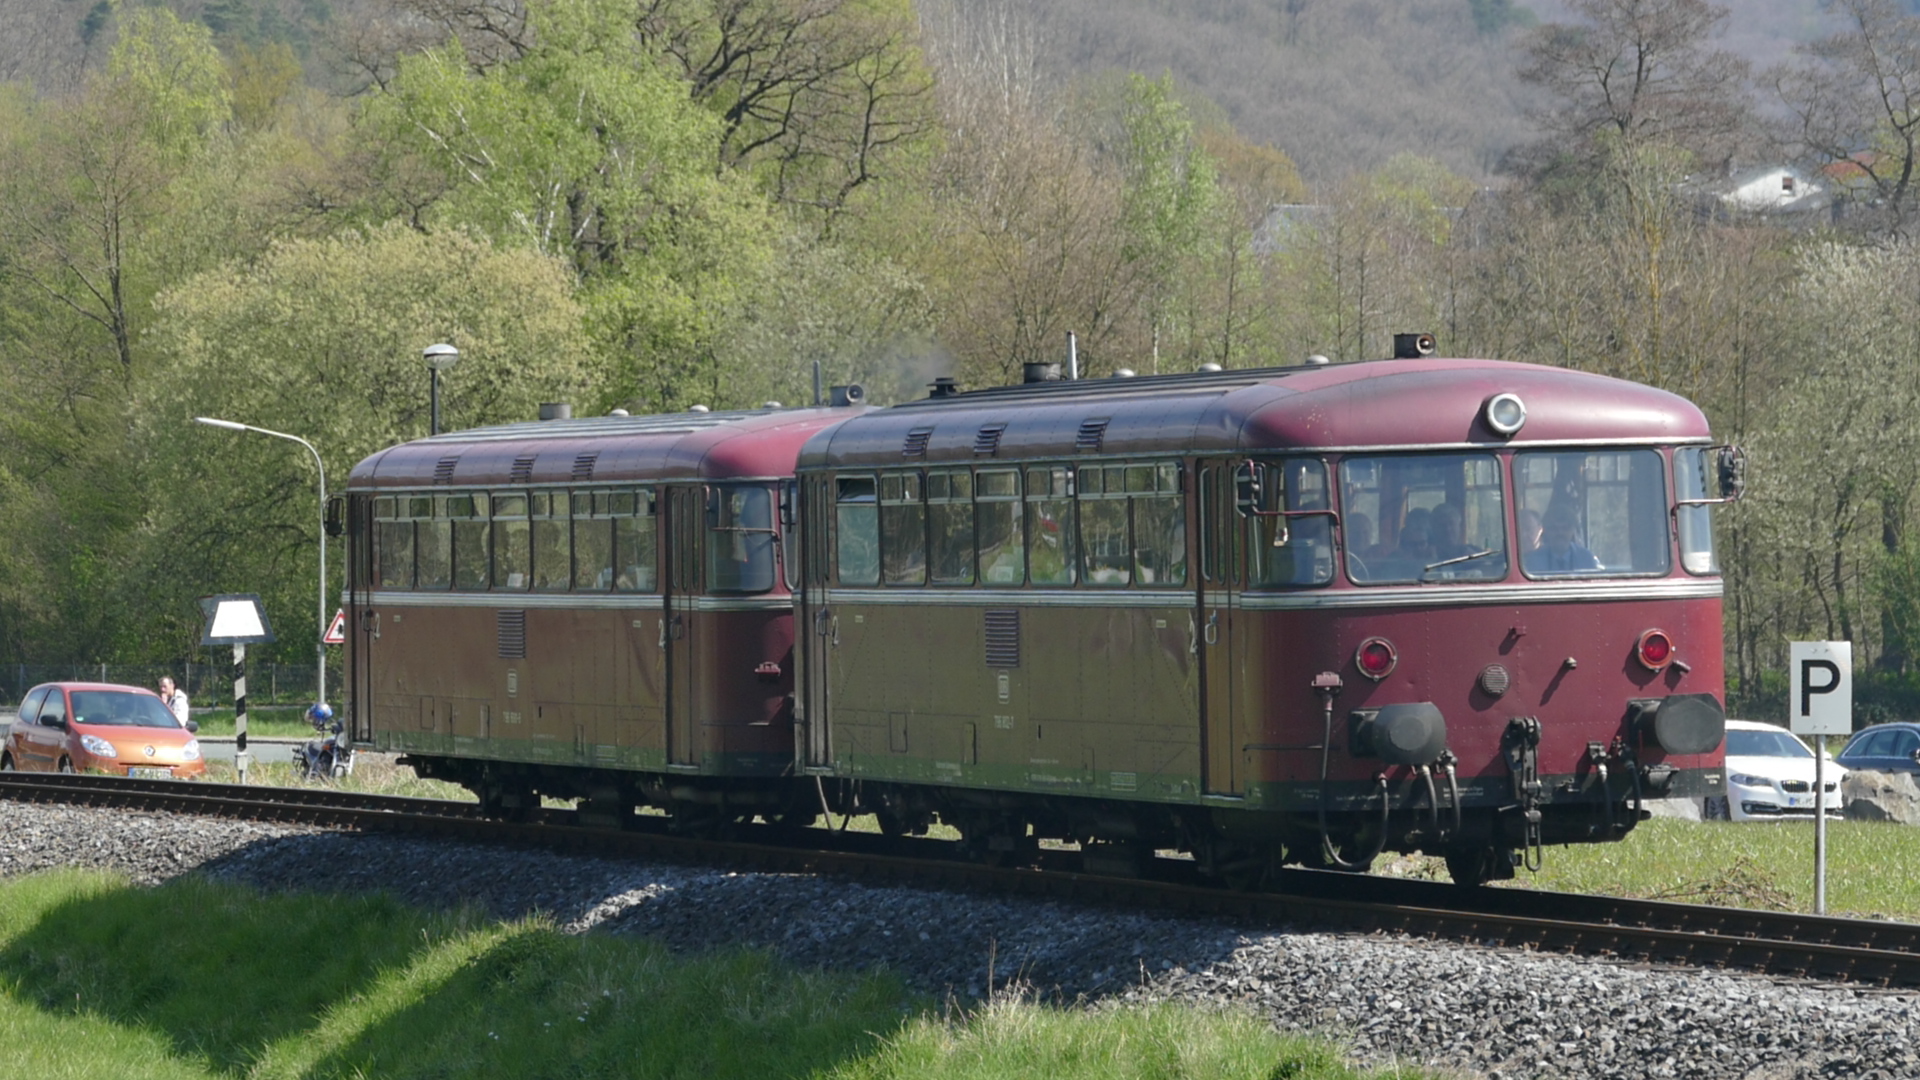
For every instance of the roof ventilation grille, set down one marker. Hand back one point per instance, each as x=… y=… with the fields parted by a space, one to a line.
x=583 y=465
x=1093 y=435
x=522 y=470
x=988 y=441
x=443 y=470
x=916 y=444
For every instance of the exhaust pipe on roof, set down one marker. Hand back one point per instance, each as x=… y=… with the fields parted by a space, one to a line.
x=556 y=410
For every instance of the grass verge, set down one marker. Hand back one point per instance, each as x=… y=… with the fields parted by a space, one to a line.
x=200 y=980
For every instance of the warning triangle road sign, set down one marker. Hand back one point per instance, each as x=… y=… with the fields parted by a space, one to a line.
x=337 y=629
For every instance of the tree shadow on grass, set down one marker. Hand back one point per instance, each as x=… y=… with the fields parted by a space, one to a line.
x=317 y=986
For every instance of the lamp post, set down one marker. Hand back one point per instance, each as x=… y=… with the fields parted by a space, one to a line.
x=320 y=642
x=439 y=358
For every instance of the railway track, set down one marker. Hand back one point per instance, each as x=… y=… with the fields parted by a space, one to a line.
x=1859 y=951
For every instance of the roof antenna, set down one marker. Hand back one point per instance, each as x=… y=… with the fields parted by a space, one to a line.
x=816 y=384
x=1073 y=356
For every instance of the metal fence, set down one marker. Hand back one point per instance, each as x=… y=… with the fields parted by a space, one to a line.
x=205 y=684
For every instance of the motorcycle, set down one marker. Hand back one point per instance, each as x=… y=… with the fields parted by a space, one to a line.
x=327 y=756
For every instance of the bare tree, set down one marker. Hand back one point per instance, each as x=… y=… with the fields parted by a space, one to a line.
x=1854 y=97
x=1638 y=70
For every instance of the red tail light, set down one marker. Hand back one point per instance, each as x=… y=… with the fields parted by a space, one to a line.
x=1375 y=658
x=1655 y=650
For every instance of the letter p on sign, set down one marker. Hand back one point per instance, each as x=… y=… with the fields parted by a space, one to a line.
x=1821 y=687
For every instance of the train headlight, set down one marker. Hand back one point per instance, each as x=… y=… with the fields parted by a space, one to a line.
x=1505 y=414
x=1655 y=650
x=1375 y=658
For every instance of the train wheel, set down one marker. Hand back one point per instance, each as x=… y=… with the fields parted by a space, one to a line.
x=1475 y=866
x=503 y=803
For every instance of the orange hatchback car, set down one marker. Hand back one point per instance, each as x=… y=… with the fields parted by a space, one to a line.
x=100 y=727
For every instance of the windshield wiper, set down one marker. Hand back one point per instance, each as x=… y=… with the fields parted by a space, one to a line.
x=1469 y=557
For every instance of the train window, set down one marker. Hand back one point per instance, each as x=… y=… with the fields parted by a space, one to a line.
x=592 y=541
x=1592 y=512
x=1103 y=525
x=903 y=530
x=739 y=539
x=472 y=547
x=1693 y=478
x=636 y=546
x=1053 y=557
x=857 y=531
x=950 y=527
x=1295 y=549
x=790 y=534
x=512 y=549
x=1435 y=517
x=433 y=543
x=1003 y=553
x=393 y=543
x=552 y=547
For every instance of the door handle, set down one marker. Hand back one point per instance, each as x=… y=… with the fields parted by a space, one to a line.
x=663 y=631
x=1213 y=628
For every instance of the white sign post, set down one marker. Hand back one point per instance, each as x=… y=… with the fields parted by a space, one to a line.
x=1820 y=692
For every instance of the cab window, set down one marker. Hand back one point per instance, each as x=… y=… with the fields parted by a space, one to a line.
x=1592 y=512
x=739 y=539
x=857 y=530
x=1423 y=519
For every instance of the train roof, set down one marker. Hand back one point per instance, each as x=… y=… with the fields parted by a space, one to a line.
x=693 y=445
x=1384 y=404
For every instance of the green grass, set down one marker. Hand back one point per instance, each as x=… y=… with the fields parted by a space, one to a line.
x=1749 y=864
x=201 y=980
x=373 y=774
x=265 y=723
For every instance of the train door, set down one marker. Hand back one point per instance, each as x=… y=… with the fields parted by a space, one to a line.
x=685 y=509
x=1218 y=598
x=363 y=627
x=814 y=630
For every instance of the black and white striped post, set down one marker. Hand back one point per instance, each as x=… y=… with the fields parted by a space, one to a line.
x=237 y=619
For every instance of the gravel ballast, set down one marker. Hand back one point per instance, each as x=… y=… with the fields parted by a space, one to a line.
x=1463 y=1010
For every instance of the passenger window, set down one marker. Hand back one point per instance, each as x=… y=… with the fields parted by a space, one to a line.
x=1003 y=555
x=636 y=540
x=393 y=542
x=433 y=542
x=1103 y=525
x=552 y=547
x=592 y=541
x=903 y=530
x=950 y=527
x=739 y=539
x=54 y=712
x=512 y=551
x=1159 y=525
x=472 y=544
x=1295 y=548
x=30 y=708
x=857 y=531
x=1052 y=555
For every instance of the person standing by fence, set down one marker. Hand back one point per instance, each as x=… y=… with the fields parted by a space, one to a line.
x=175 y=699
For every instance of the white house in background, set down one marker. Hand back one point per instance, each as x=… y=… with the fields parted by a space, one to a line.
x=1771 y=189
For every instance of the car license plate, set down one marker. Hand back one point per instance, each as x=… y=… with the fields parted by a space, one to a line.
x=136 y=772
x=1799 y=800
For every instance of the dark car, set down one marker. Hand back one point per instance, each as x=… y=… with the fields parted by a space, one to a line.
x=1884 y=748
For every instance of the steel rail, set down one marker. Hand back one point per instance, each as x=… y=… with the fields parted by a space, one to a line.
x=1859 y=951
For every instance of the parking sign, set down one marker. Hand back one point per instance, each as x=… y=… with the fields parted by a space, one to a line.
x=1821 y=687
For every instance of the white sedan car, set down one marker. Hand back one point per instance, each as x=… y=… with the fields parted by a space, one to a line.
x=1770 y=777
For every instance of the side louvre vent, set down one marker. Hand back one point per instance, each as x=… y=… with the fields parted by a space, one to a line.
x=583 y=465
x=522 y=470
x=443 y=470
x=1093 y=435
x=916 y=444
x=1003 y=638
x=511 y=629
x=988 y=441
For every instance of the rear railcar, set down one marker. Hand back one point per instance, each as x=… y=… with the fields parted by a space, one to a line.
x=1301 y=615
x=592 y=609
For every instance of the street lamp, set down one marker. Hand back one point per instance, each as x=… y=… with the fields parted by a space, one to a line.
x=439 y=358
x=320 y=643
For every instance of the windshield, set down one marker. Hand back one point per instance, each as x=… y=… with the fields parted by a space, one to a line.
x=1426 y=518
x=118 y=708
x=1592 y=512
x=1765 y=744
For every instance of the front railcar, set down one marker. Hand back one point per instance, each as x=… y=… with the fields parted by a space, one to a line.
x=1512 y=637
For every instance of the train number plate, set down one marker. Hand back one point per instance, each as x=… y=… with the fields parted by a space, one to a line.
x=138 y=773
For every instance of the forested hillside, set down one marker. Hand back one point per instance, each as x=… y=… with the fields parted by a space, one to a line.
x=262 y=210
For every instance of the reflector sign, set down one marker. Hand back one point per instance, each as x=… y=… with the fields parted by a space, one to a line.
x=337 y=629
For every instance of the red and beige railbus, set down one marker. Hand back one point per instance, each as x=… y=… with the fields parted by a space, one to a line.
x=1298 y=615
x=595 y=609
